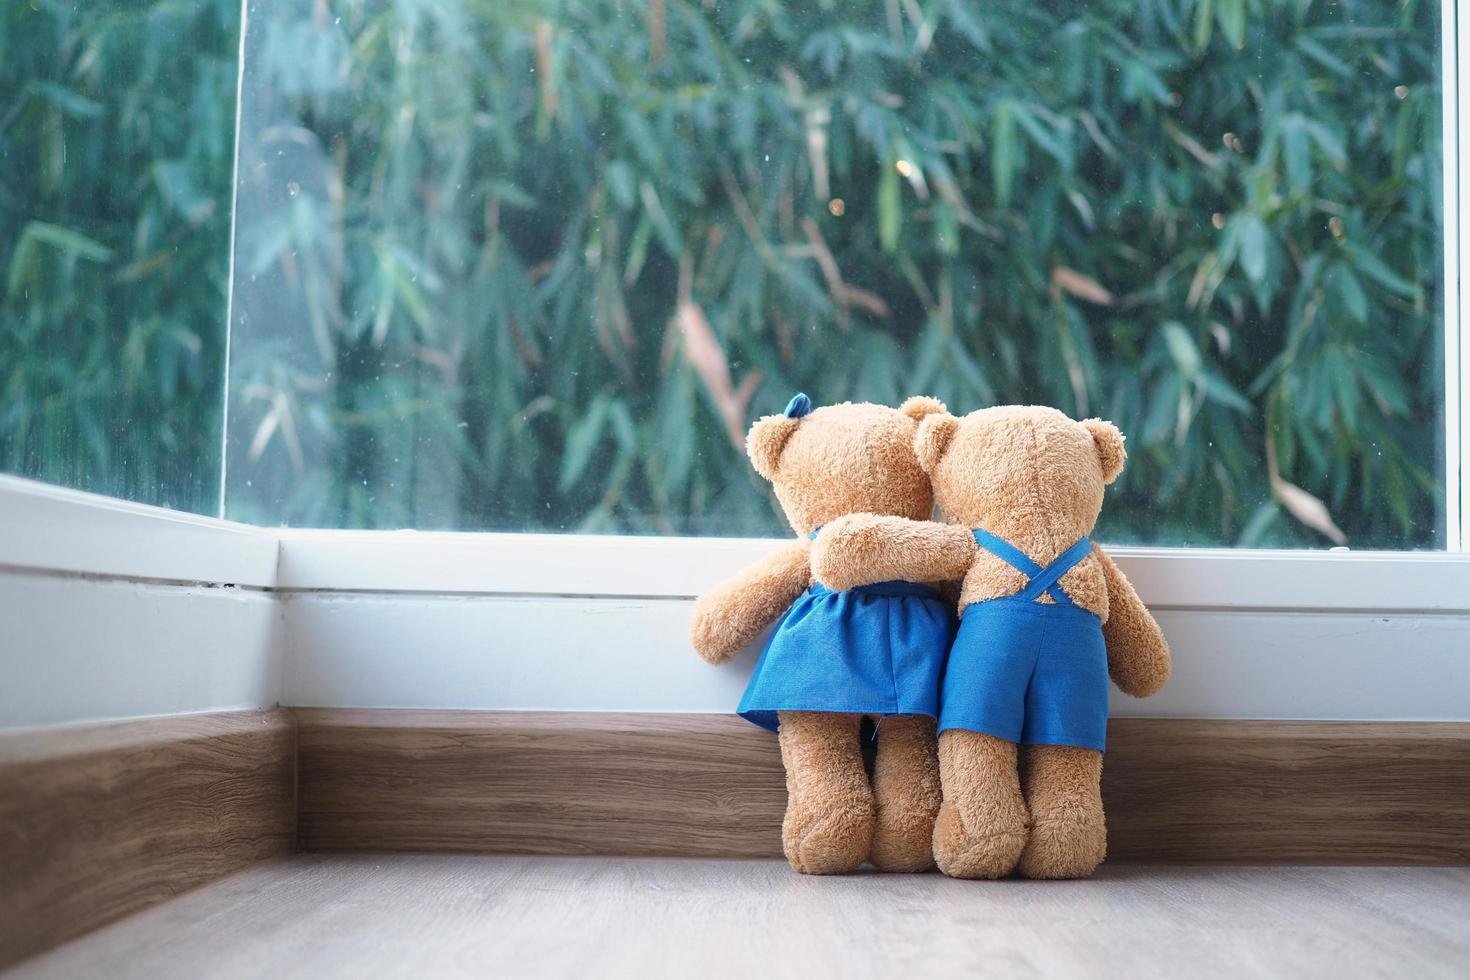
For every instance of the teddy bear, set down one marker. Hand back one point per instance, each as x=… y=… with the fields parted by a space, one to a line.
x=1046 y=619
x=835 y=658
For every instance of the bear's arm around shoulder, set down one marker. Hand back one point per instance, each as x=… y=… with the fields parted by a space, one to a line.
x=859 y=549
x=732 y=614
x=1138 y=654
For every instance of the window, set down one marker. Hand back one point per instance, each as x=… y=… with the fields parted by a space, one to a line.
x=535 y=266
x=117 y=127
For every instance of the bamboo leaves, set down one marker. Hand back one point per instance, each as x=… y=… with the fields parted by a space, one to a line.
x=890 y=209
x=538 y=265
x=1005 y=151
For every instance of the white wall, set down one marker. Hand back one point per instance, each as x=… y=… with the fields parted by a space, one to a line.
x=76 y=649
x=549 y=653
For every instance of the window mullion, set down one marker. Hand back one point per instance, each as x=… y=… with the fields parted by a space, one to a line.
x=1457 y=365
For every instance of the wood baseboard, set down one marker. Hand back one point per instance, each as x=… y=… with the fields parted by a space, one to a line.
x=1288 y=792
x=712 y=786
x=538 y=783
x=98 y=821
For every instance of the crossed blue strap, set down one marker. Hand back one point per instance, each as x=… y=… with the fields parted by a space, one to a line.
x=1040 y=579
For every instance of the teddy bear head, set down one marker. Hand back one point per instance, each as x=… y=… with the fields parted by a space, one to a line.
x=1015 y=468
x=844 y=459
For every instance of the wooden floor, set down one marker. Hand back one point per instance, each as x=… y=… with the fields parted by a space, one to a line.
x=422 y=915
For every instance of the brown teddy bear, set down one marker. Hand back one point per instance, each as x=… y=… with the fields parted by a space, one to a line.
x=1046 y=618
x=877 y=650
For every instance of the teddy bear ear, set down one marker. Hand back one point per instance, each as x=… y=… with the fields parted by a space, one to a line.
x=932 y=439
x=1109 y=443
x=766 y=439
x=919 y=406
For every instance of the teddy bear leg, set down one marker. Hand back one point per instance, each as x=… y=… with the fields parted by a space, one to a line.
x=829 y=804
x=906 y=793
x=982 y=823
x=1063 y=790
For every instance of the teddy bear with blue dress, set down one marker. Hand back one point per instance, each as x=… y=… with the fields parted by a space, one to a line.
x=875 y=650
x=1046 y=619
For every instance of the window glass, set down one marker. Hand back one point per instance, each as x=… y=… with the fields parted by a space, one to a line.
x=117 y=128
x=536 y=265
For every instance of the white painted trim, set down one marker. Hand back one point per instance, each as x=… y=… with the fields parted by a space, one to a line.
x=408 y=619
x=649 y=567
x=1455 y=94
x=511 y=564
x=54 y=529
x=224 y=427
x=406 y=650
x=87 y=650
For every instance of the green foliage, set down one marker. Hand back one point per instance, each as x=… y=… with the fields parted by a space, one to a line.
x=116 y=143
x=531 y=264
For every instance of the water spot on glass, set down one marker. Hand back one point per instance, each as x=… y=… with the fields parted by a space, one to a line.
x=293 y=188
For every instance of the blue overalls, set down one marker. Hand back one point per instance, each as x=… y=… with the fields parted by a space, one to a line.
x=1027 y=671
x=875 y=650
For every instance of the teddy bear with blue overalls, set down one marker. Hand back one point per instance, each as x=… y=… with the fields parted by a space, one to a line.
x=1046 y=619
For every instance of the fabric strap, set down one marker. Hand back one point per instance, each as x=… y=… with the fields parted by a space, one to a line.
x=1040 y=579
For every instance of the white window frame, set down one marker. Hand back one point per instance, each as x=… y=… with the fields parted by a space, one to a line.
x=1455 y=34
x=53 y=529
x=49 y=528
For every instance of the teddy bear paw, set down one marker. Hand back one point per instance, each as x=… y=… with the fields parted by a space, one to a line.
x=1065 y=843
x=989 y=853
x=830 y=843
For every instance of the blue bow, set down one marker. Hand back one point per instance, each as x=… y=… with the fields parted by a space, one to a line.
x=798 y=406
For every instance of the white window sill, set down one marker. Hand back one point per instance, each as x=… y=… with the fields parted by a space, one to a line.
x=52 y=529
x=638 y=567
x=112 y=610
x=47 y=528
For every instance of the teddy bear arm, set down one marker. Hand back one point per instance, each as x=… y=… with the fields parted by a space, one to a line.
x=732 y=614
x=1138 y=654
x=860 y=549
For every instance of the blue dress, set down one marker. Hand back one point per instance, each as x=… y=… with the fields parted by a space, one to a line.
x=875 y=650
x=1026 y=671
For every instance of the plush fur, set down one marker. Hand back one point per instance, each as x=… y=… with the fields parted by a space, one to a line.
x=838 y=460
x=830 y=810
x=906 y=790
x=1034 y=477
